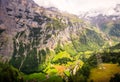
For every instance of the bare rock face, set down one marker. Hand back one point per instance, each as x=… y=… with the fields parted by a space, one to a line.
x=11 y=14
x=18 y=16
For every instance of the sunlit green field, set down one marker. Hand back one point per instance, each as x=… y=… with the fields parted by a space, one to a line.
x=104 y=74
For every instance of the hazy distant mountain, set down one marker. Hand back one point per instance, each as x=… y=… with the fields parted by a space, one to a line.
x=115 y=11
x=107 y=20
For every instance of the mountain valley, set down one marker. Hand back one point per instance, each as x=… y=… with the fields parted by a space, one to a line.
x=39 y=44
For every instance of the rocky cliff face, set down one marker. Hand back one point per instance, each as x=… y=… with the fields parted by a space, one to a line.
x=10 y=13
x=17 y=16
x=28 y=33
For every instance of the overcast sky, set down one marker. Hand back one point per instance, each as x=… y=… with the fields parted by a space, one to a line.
x=76 y=6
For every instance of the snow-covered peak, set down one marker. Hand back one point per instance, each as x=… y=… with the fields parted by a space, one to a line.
x=111 y=11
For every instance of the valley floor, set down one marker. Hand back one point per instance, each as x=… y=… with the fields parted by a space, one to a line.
x=104 y=72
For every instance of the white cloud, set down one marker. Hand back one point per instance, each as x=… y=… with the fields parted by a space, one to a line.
x=75 y=6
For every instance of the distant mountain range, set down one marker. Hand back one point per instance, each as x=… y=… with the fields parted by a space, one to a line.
x=108 y=20
x=111 y=11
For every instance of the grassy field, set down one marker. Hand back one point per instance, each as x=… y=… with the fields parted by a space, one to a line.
x=104 y=75
x=35 y=76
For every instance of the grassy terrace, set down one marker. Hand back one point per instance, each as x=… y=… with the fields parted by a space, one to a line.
x=104 y=75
